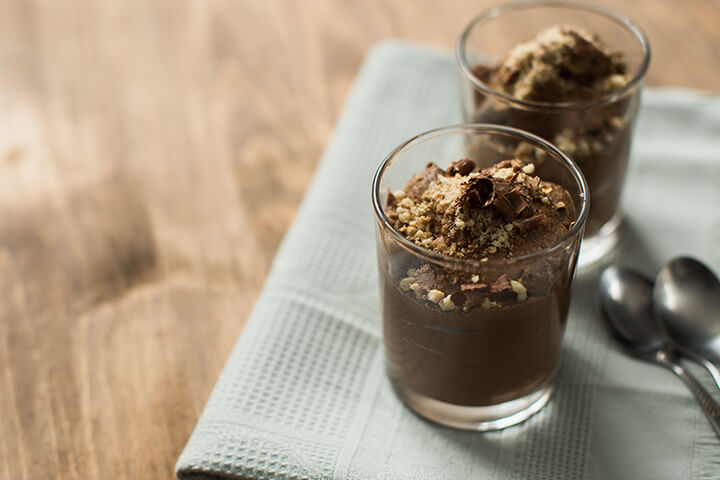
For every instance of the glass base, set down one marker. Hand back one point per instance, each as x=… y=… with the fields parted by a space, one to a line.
x=482 y=418
x=597 y=246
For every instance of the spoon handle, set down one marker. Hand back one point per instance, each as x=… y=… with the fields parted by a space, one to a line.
x=712 y=369
x=709 y=406
x=709 y=365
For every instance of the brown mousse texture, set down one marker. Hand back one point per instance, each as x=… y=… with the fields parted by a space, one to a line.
x=562 y=63
x=485 y=334
x=499 y=212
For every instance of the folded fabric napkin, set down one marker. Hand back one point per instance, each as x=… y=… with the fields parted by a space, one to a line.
x=304 y=393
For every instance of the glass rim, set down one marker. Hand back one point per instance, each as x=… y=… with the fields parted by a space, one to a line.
x=497 y=11
x=486 y=128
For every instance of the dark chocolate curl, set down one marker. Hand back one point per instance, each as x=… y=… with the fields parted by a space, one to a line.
x=479 y=191
x=502 y=284
x=503 y=205
x=520 y=203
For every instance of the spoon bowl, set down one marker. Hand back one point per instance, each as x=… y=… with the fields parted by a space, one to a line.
x=626 y=300
x=687 y=303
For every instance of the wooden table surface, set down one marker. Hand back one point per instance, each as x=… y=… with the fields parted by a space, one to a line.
x=152 y=154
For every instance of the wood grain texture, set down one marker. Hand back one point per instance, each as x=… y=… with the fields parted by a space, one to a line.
x=152 y=154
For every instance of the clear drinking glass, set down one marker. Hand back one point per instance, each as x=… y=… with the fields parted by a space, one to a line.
x=596 y=133
x=489 y=366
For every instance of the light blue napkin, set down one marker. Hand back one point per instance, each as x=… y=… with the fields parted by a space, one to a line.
x=304 y=394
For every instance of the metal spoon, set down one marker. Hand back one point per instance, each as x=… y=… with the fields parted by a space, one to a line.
x=687 y=303
x=626 y=302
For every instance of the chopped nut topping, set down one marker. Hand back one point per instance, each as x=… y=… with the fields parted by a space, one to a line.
x=495 y=213
x=406 y=282
x=503 y=173
x=519 y=289
x=617 y=123
x=435 y=296
x=446 y=304
x=562 y=63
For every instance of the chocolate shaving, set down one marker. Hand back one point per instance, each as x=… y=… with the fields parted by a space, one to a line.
x=474 y=293
x=501 y=285
x=463 y=167
x=531 y=223
x=519 y=201
x=510 y=201
x=503 y=205
x=479 y=191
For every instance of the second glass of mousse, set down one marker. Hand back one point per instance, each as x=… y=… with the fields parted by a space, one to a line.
x=476 y=254
x=570 y=73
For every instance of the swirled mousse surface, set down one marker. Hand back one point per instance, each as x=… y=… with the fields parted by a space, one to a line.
x=560 y=64
x=489 y=333
x=565 y=63
x=500 y=212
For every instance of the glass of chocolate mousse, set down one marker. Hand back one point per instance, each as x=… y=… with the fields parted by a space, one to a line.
x=476 y=252
x=570 y=73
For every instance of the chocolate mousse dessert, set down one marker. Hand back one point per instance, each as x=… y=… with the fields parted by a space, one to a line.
x=564 y=80
x=487 y=330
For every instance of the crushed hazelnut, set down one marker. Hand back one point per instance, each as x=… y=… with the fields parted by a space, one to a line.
x=446 y=304
x=529 y=168
x=617 y=123
x=435 y=295
x=405 y=283
x=519 y=289
x=503 y=172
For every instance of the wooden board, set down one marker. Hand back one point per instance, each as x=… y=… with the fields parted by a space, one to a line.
x=152 y=154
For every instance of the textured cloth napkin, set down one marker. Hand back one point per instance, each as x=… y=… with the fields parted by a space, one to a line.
x=304 y=393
